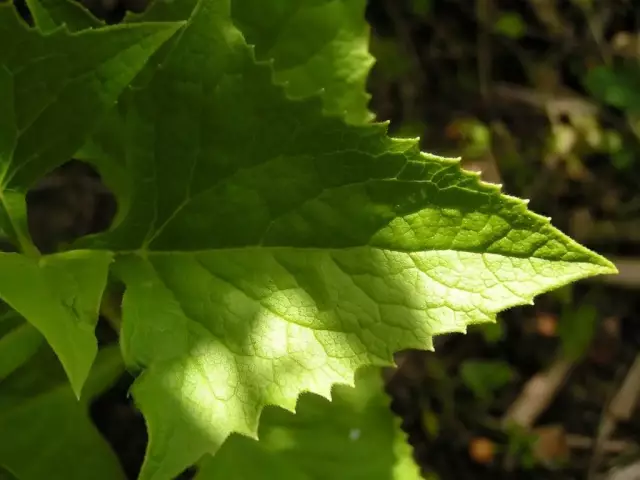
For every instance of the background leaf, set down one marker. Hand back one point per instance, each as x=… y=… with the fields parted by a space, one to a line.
x=50 y=14
x=352 y=436
x=618 y=85
x=51 y=433
x=19 y=341
x=484 y=378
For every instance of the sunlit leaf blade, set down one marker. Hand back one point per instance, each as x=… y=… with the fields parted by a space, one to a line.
x=46 y=432
x=269 y=249
x=352 y=436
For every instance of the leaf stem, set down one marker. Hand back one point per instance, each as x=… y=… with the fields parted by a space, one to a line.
x=15 y=208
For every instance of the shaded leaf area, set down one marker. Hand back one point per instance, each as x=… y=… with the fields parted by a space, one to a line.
x=50 y=432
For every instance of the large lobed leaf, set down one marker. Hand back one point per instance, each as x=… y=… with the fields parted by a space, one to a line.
x=269 y=249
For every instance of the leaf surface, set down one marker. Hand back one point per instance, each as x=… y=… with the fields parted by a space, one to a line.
x=68 y=288
x=51 y=434
x=45 y=78
x=316 y=45
x=50 y=14
x=352 y=436
x=270 y=249
x=53 y=94
x=19 y=341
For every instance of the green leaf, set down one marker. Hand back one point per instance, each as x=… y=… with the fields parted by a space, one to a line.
x=68 y=288
x=334 y=58
x=55 y=93
x=577 y=327
x=269 y=249
x=46 y=77
x=618 y=86
x=316 y=45
x=485 y=377
x=354 y=436
x=510 y=24
x=51 y=434
x=50 y=14
x=17 y=346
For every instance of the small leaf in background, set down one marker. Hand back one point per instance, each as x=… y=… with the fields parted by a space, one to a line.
x=484 y=378
x=474 y=135
x=612 y=141
x=624 y=159
x=510 y=24
x=522 y=445
x=576 y=329
x=422 y=8
x=430 y=423
x=50 y=14
x=617 y=86
x=492 y=332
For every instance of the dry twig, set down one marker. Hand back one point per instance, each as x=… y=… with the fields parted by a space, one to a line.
x=537 y=394
x=620 y=409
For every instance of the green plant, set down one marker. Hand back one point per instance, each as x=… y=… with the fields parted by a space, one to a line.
x=485 y=377
x=269 y=239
